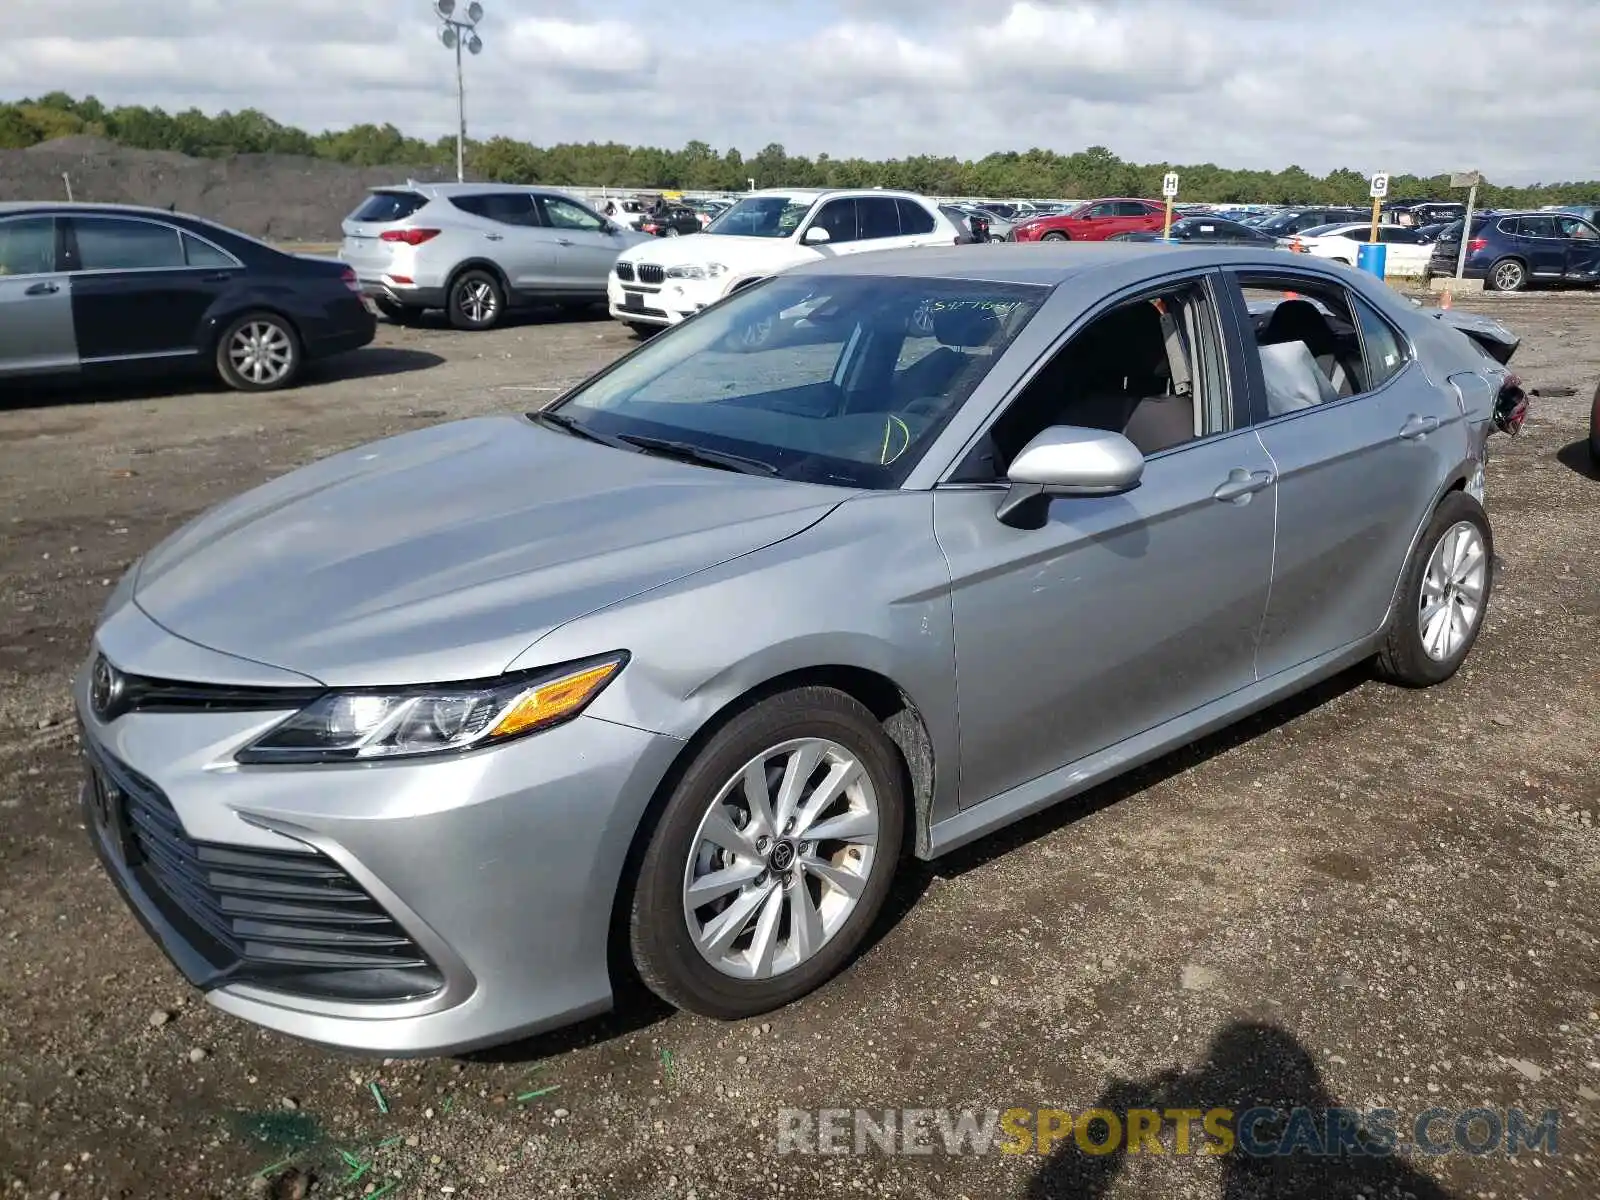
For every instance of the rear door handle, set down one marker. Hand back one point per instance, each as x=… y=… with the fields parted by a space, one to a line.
x=563 y=241
x=1242 y=484
x=495 y=237
x=217 y=277
x=43 y=289
x=1418 y=427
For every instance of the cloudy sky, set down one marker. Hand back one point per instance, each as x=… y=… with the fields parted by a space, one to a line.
x=1424 y=85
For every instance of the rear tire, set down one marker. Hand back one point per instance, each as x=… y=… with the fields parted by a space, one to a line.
x=1443 y=597
x=1507 y=275
x=477 y=300
x=259 y=352
x=807 y=902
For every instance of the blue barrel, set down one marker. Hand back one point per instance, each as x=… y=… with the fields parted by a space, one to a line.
x=1373 y=258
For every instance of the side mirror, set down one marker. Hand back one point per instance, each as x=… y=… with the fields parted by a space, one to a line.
x=816 y=235
x=1065 y=460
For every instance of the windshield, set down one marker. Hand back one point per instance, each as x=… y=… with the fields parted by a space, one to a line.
x=829 y=379
x=1281 y=221
x=763 y=216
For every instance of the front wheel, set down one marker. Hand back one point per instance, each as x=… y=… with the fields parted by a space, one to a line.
x=1054 y=235
x=772 y=858
x=260 y=352
x=1443 y=596
x=1508 y=275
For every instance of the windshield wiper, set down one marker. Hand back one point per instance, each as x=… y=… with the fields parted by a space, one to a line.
x=688 y=452
x=577 y=428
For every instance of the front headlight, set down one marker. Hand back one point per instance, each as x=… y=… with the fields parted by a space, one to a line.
x=372 y=723
x=697 y=271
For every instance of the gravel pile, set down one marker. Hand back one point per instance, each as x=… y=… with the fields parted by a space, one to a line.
x=281 y=197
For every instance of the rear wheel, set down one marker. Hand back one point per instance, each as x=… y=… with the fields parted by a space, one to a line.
x=773 y=856
x=260 y=352
x=1055 y=235
x=476 y=301
x=1508 y=275
x=1443 y=596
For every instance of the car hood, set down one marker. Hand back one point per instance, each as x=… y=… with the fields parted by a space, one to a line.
x=444 y=553
x=736 y=253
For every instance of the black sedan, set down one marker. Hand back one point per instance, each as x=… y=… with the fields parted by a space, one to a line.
x=1210 y=231
x=674 y=220
x=95 y=289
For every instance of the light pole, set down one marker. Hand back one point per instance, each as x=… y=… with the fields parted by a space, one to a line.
x=456 y=31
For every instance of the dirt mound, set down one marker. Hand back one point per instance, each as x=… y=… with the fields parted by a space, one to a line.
x=275 y=196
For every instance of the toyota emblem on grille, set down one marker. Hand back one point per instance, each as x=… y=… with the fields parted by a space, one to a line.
x=105 y=688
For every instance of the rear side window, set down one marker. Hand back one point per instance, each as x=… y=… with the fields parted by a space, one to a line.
x=1539 y=227
x=381 y=207
x=118 y=244
x=508 y=208
x=914 y=218
x=878 y=216
x=1384 y=353
x=1129 y=209
x=204 y=254
x=28 y=246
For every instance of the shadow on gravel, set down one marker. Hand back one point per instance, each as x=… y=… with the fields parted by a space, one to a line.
x=370 y=362
x=1577 y=457
x=1271 y=1085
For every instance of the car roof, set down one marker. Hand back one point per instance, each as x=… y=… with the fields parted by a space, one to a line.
x=1046 y=264
x=9 y=207
x=463 y=189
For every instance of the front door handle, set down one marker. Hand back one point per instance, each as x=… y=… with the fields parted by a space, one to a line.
x=1241 y=485
x=43 y=289
x=217 y=277
x=563 y=241
x=1418 y=427
x=495 y=237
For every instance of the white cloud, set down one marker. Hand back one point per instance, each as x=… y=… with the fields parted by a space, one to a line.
x=1246 y=83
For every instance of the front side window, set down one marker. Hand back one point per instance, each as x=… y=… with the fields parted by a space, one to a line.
x=28 y=246
x=763 y=217
x=121 y=244
x=838 y=217
x=1571 y=227
x=564 y=214
x=836 y=380
x=1151 y=369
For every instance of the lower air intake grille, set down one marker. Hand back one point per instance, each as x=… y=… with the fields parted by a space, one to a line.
x=294 y=921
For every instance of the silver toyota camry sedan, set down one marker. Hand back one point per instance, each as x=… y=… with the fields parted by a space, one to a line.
x=406 y=750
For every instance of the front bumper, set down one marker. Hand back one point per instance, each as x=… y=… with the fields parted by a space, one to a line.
x=667 y=303
x=498 y=869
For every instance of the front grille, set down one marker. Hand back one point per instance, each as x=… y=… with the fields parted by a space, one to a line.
x=625 y=271
x=290 y=920
x=652 y=273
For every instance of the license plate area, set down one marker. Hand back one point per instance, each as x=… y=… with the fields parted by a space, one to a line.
x=108 y=810
x=633 y=301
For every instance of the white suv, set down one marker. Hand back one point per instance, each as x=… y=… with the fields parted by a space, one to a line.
x=663 y=282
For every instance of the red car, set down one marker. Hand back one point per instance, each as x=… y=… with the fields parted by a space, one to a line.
x=1095 y=221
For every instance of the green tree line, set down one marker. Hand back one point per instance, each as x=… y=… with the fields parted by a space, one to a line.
x=698 y=166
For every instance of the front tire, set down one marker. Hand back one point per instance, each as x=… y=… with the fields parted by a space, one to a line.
x=1055 y=235
x=772 y=858
x=1443 y=596
x=1508 y=275
x=259 y=352
x=477 y=300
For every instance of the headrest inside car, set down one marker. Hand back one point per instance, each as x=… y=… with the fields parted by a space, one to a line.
x=965 y=325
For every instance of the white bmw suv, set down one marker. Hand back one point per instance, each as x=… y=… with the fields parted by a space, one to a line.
x=663 y=282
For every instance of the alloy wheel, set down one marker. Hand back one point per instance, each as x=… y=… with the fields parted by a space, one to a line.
x=1508 y=277
x=781 y=858
x=478 y=301
x=261 y=352
x=1453 y=586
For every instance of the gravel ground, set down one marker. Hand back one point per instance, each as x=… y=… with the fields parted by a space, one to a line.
x=1365 y=897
